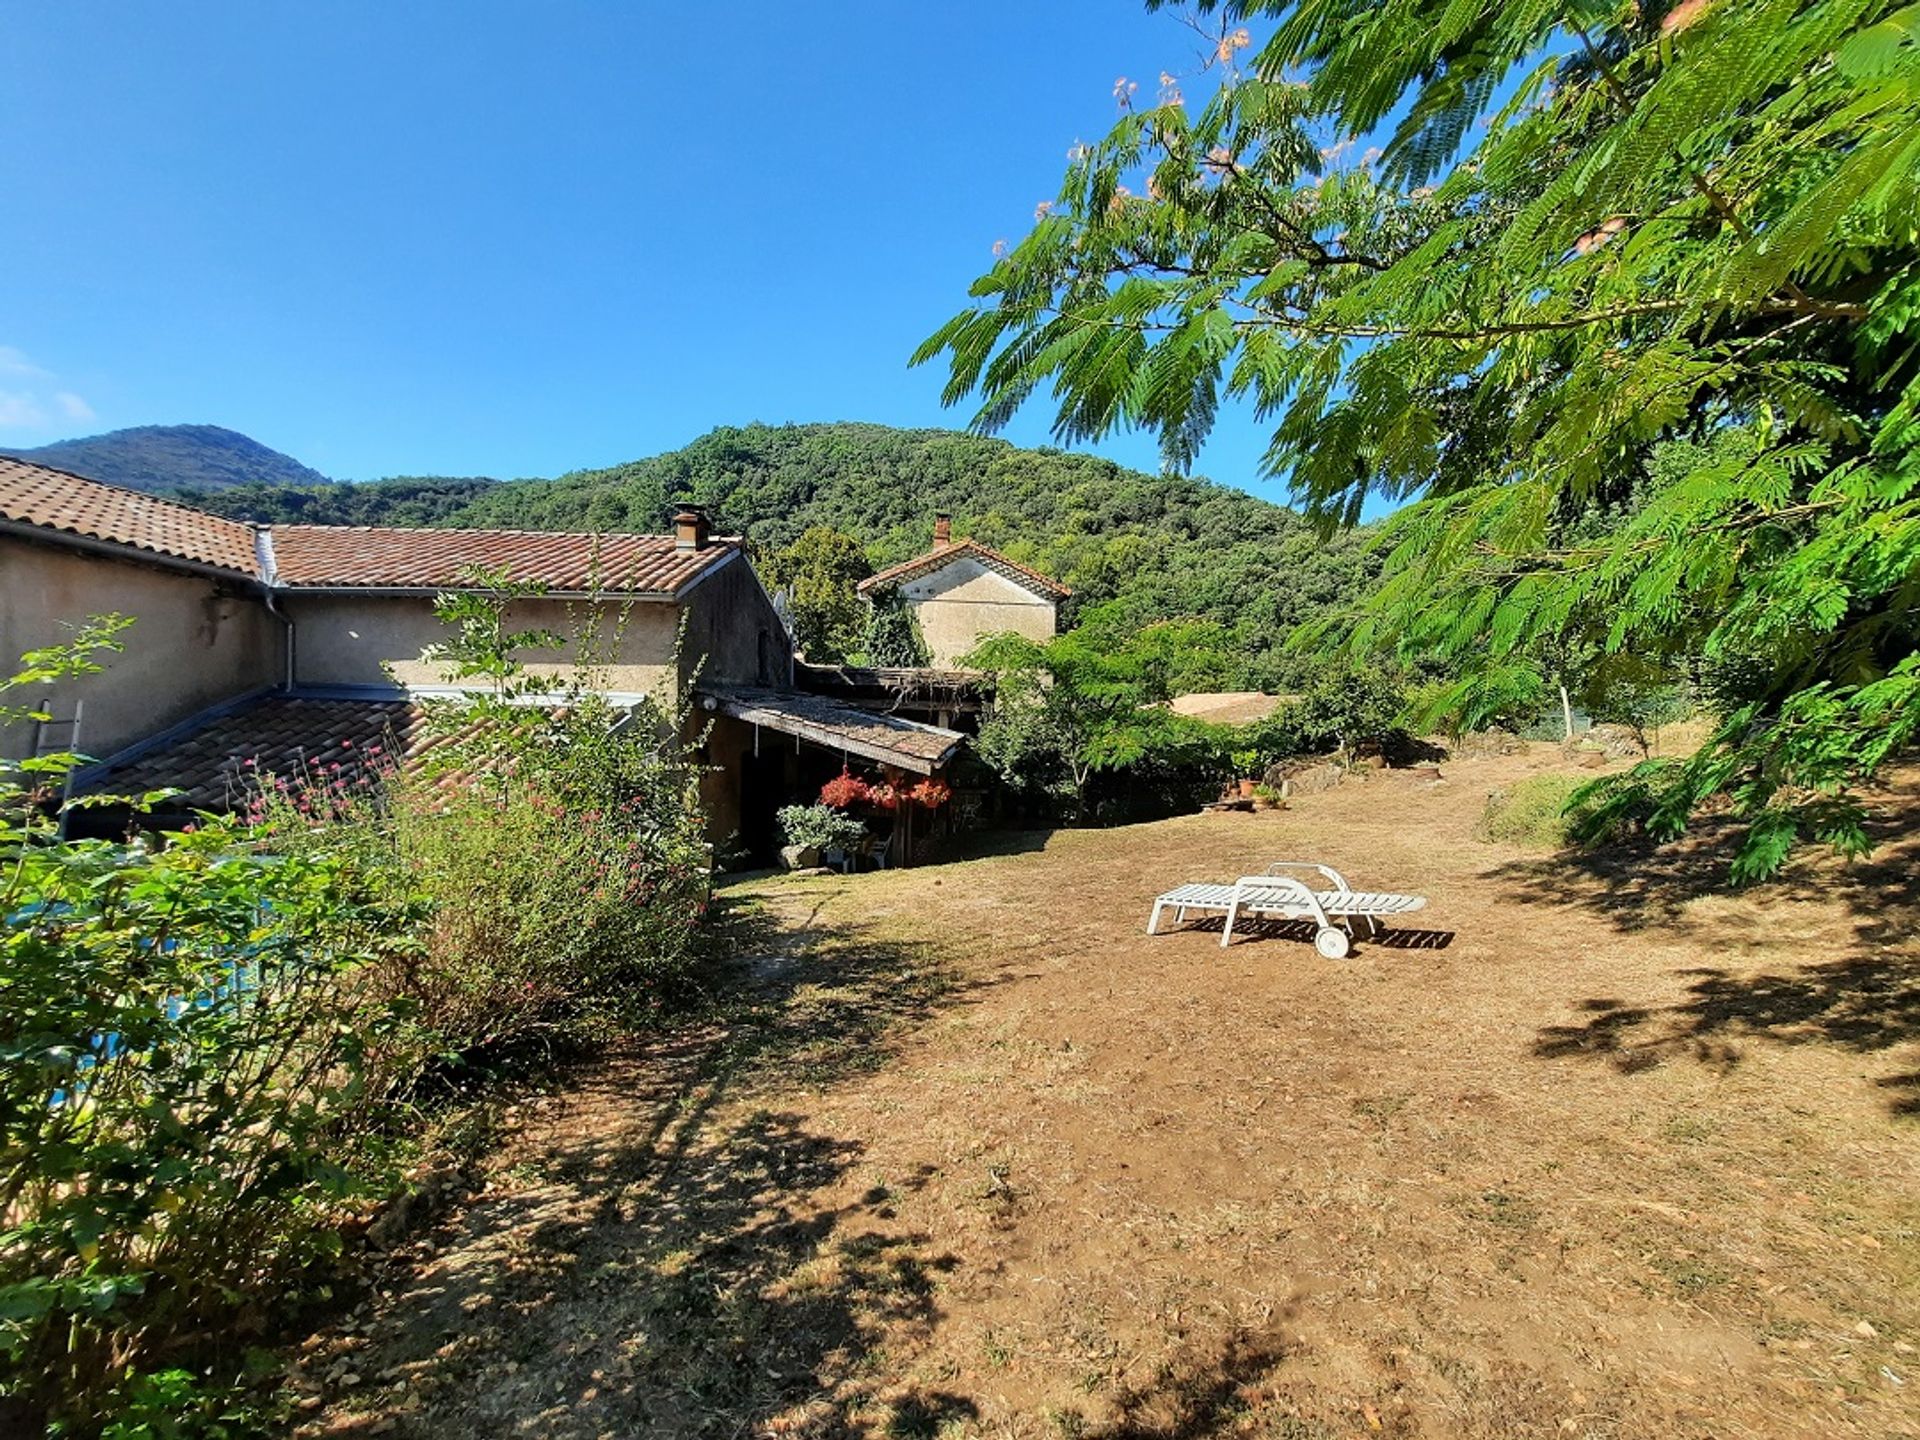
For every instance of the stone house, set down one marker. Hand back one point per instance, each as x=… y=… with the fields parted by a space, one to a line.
x=961 y=591
x=262 y=646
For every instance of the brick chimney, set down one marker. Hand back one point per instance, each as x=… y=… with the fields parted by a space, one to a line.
x=942 y=529
x=690 y=528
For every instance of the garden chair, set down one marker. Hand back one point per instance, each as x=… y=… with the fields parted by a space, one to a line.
x=1277 y=896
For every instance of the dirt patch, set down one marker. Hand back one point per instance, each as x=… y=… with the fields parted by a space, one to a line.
x=1596 y=1149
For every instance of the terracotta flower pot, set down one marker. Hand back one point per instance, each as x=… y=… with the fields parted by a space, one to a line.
x=1246 y=789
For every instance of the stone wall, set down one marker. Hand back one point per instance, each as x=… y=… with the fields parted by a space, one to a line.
x=195 y=642
x=961 y=603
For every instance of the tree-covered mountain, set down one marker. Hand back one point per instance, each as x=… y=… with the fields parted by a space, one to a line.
x=1164 y=545
x=401 y=500
x=174 y=457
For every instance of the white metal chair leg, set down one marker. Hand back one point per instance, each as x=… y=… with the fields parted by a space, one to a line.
x=1153 y=921
x=1226 y=932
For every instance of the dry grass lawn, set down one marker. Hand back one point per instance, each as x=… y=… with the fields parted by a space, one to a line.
x=1597 y=1151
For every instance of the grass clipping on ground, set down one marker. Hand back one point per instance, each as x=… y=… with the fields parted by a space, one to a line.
x=1531 y=813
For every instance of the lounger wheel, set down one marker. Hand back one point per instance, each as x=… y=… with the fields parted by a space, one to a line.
x=1332 y=942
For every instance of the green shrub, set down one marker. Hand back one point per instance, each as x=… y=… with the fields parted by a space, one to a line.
x=893 y=634
x=194 y=1040
x=558 y=857
x=213 y=1048
x=1343 y=709
x=1531 y=813
x=820 y=827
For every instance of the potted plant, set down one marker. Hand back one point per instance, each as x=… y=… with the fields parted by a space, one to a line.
x=1247 y=764
x=811 y=831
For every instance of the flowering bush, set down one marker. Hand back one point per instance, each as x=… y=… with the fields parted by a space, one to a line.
x=559 y=849
x=845 y=791
x=570 y=871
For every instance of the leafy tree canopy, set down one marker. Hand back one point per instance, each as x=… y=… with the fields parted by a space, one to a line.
x=817 y=573
x=1586 y=232
x=402 y=500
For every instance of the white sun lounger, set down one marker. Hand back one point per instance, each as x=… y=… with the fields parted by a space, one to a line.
x=1275 y=896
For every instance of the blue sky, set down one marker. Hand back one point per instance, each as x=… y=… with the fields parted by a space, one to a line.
x=519 y=239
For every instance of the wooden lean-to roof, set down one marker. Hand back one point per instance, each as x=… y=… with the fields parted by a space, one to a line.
x=831 y=725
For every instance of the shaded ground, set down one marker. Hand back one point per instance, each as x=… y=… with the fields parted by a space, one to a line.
x=1594 y=1151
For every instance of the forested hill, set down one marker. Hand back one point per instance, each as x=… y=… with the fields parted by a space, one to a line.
x=171 y=457
x=401 y=500
x=1166 y=546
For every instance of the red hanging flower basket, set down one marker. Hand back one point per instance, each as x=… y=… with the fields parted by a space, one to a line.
x=844 y=791
x=931 y=794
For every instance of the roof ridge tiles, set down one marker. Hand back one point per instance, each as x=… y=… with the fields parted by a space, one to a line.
x=933 y=559
x=492 y=530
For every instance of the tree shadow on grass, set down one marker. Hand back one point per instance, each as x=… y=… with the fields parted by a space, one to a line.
x=680 y=1255
x=1867 y=1000
x=1640 y=886
x=1209 y=1391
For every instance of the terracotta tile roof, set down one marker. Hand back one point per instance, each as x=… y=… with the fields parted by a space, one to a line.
x=889 y=739
x=942 y=555
x=347 y=555
x=289 y=736
x=54 y=500
x=379 y=558
x=221 y=760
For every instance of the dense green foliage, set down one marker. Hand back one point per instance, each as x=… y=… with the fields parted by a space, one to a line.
x=816 y=576
x=218 y=1046
x=1080 y=724
x=403 y=500
x=820 y=827
x=1589 y=232
x=189 y=1055
x=894 y=636
x=169 y=457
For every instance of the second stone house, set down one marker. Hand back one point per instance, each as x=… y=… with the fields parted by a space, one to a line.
x=961 y=591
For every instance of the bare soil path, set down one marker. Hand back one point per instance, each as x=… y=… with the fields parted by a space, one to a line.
x=1593 y=1151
